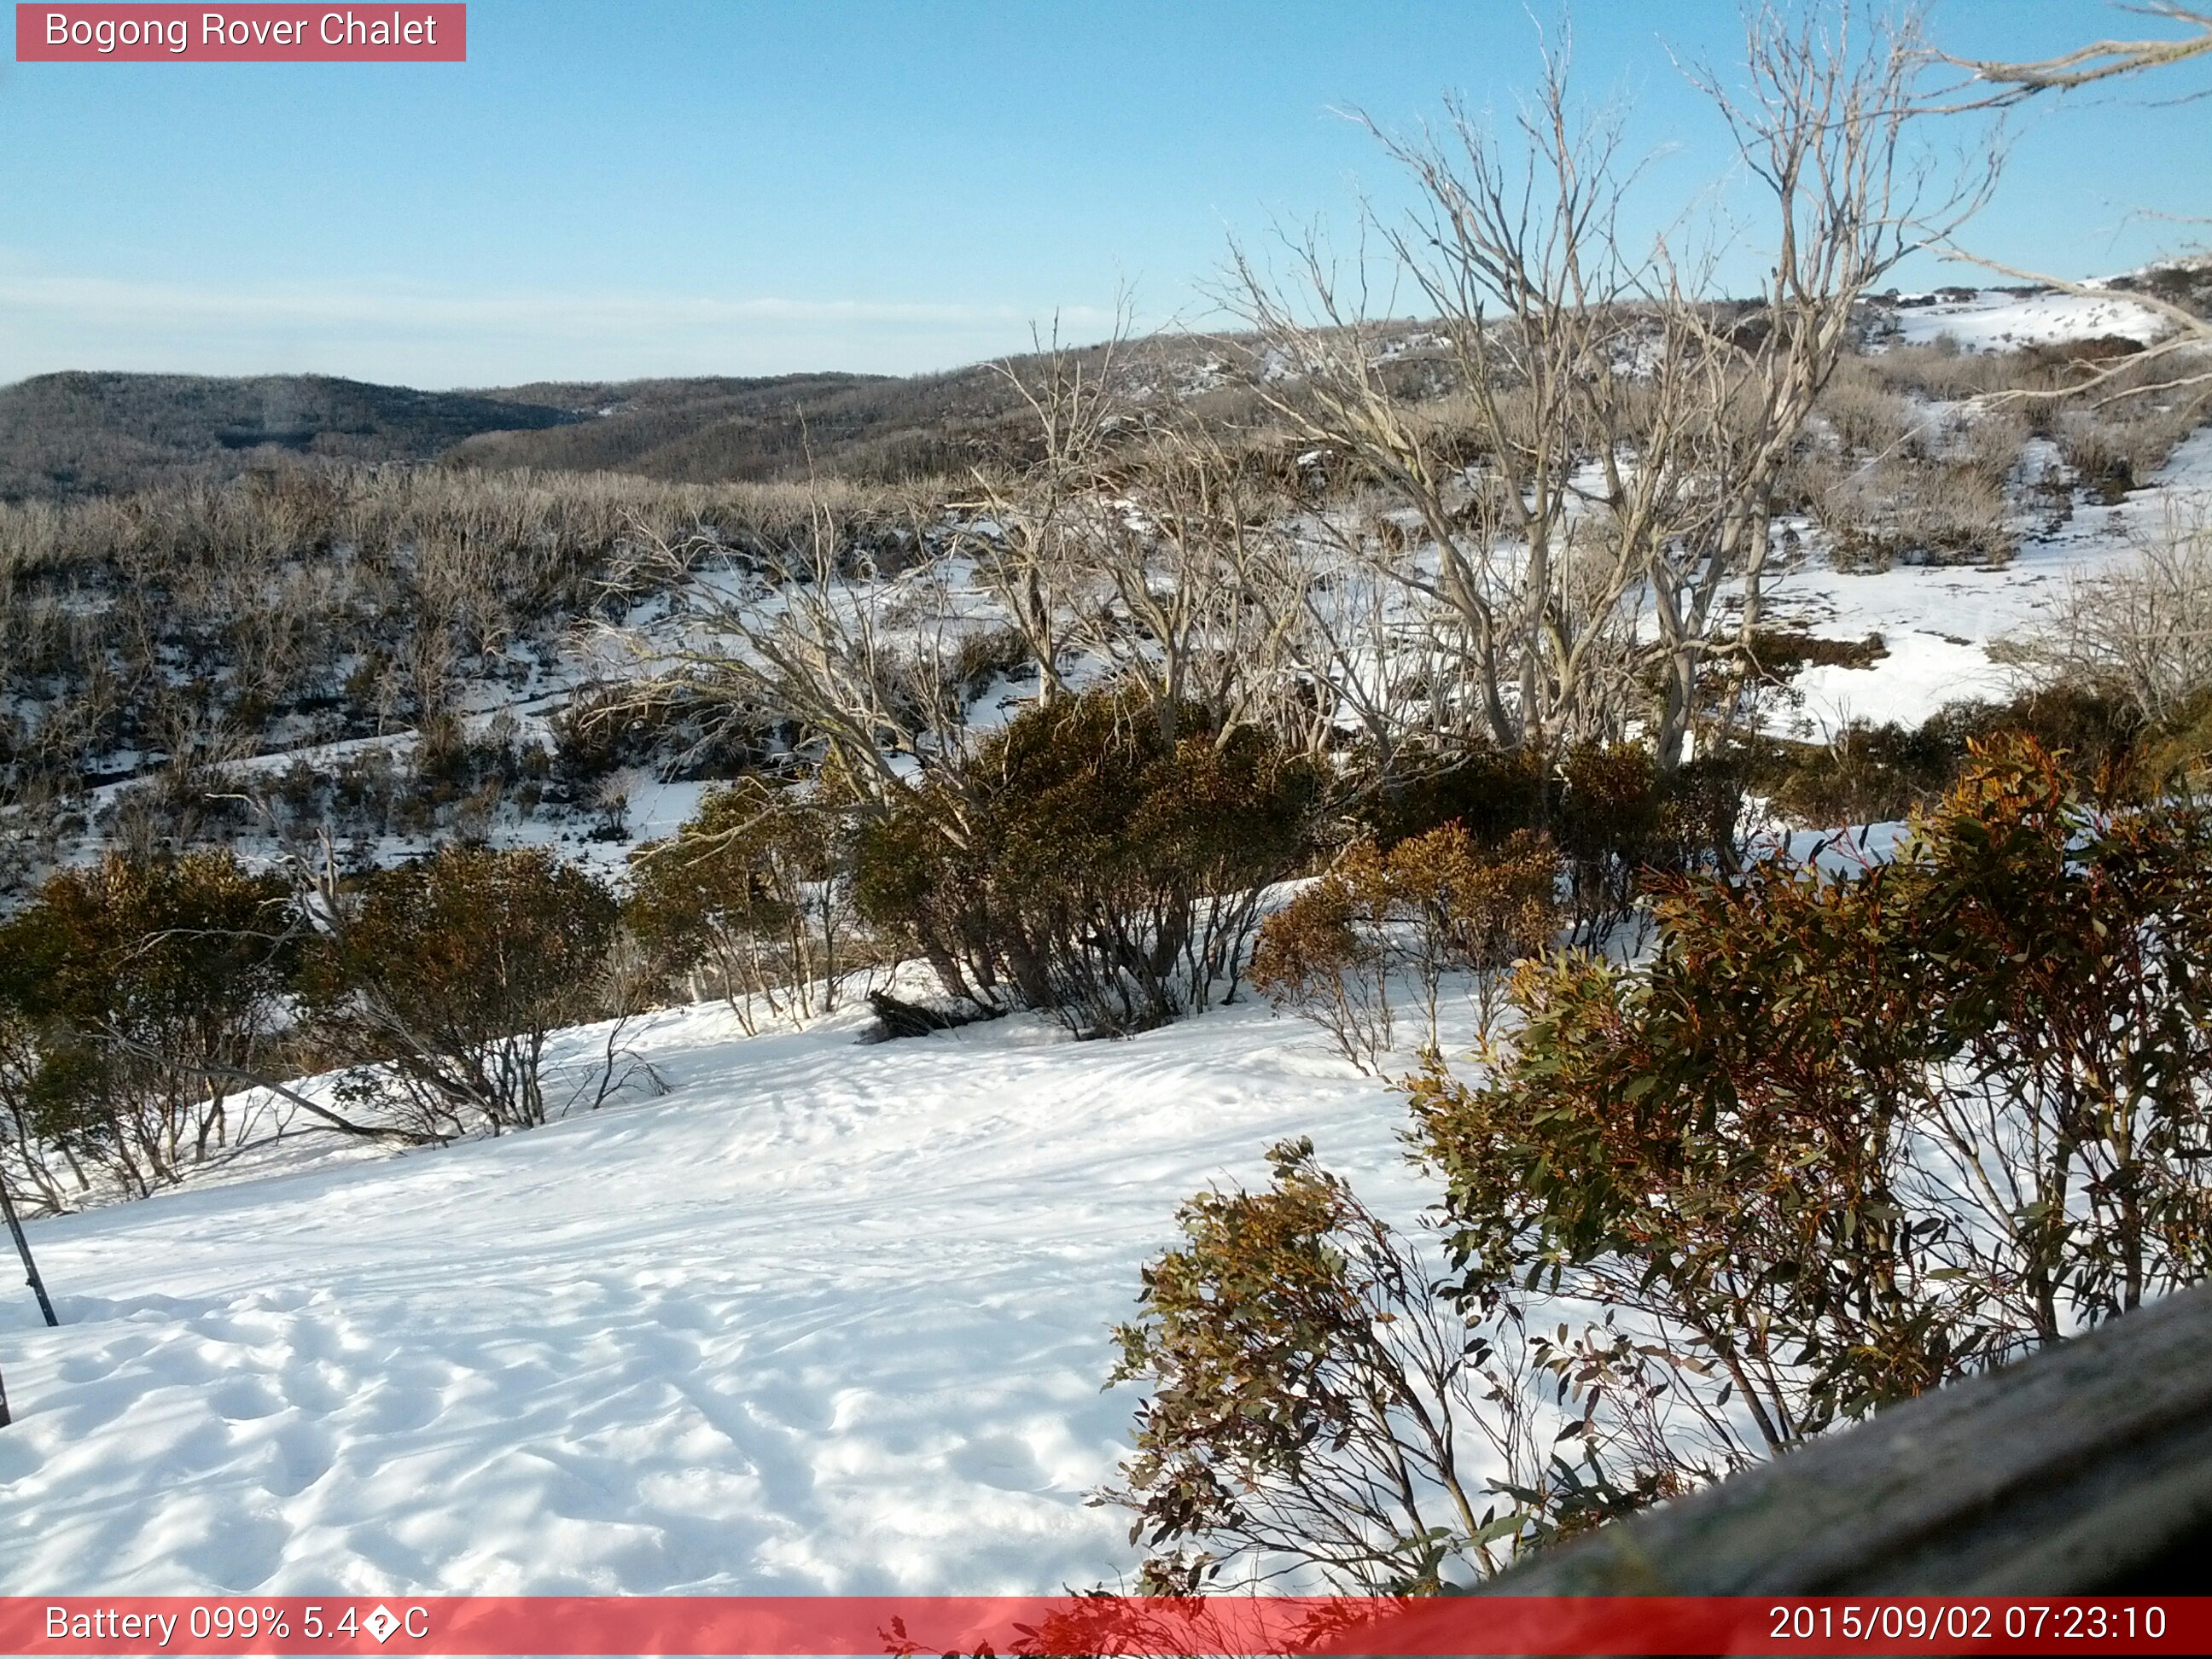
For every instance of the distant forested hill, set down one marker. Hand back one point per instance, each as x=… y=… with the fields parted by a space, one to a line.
x=91 y=434
x=708 y=431
x=81 y=433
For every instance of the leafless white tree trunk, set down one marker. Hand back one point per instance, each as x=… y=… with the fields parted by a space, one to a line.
x=1608 y=439
x=1536 y=342
x=1827 y=119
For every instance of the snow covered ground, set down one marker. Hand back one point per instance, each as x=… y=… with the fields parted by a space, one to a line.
x=825 y=1317
x=2002 y=319
x=1938 y=621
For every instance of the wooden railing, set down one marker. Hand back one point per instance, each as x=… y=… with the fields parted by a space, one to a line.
x=2085 y=1469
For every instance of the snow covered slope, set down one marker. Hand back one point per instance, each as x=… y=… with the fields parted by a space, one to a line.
x=2003 y=320
x=1939 y=621
x=826 y=1317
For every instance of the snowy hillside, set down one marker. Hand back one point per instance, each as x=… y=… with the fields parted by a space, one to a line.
x=1937 y=623
x=826 y=1317
x=1999 y=319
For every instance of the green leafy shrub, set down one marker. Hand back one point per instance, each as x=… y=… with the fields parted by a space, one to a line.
x=752 y=897
x=1608 y=808
x=1326 y=957
x=1871 y=774
x=1311 y=1402
x=1433 y=904
x=1620 y=822
x=1848 y=1136
x=137 y=992
x=1086 y=863
x=1488 y=791
x=440 y=982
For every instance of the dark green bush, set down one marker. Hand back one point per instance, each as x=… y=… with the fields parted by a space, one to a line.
x=440 y=982
x=754 y=897
x=1488 y=791
x=1084 y=863
x=1434 y=904
x=139 y=990
x=1848 y=1136
x=1879 y=773
x=1611 y=813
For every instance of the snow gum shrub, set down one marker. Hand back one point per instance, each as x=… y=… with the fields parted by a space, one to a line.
x=1609 y=810
x=1849 y=1137
x=1473 y=912
x=1868 y=774
x=132 y=995
x=1618 y=822
x=1433 y=905
x=1324 y=956
x=441 y=982
x=607 y=729
x=918 y=880
x=1608 y=816
x=1086 y=862
x=752 y=900
x=1488 y=791
x=1844 y=1138
x=1313 y=1402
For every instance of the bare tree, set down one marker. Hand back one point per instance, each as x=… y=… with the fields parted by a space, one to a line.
x=1144 y=548
x=795 y=641
x=1536 y=339
x=2099 y=61
x=1627 y=434
x=1017 y=529
x=1191 y=585
x=1825 y=120
x=2143 y=629
x=2189 y=334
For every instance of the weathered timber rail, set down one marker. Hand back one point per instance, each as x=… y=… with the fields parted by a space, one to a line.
x=2086 y=1469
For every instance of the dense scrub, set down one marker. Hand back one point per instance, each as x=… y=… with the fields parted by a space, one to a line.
x=156 y=639
x=1088 y=862
x=133 y=997
x=152 y=1008
x=1929 y=455
x=1380 y=925
x=753 y=902
x=441 y=983
x=167 y=636
x=1611 y=811
x=1851 y=1132
x=84 y=434
x=1868 y=774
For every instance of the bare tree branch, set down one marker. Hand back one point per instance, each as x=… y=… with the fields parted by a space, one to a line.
x=2099 y=61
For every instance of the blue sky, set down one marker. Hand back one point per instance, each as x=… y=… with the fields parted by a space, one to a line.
x=751 y=187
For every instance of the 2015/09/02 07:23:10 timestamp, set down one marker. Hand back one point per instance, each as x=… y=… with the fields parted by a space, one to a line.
x=1975 y=1620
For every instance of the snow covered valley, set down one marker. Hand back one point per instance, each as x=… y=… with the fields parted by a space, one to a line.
x=825 y=1315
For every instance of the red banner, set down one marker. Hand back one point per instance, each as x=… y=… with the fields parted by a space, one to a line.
x=162 y=33
x=1240 y=1627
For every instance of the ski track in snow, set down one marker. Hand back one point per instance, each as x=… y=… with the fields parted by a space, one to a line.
x=828 y=1317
